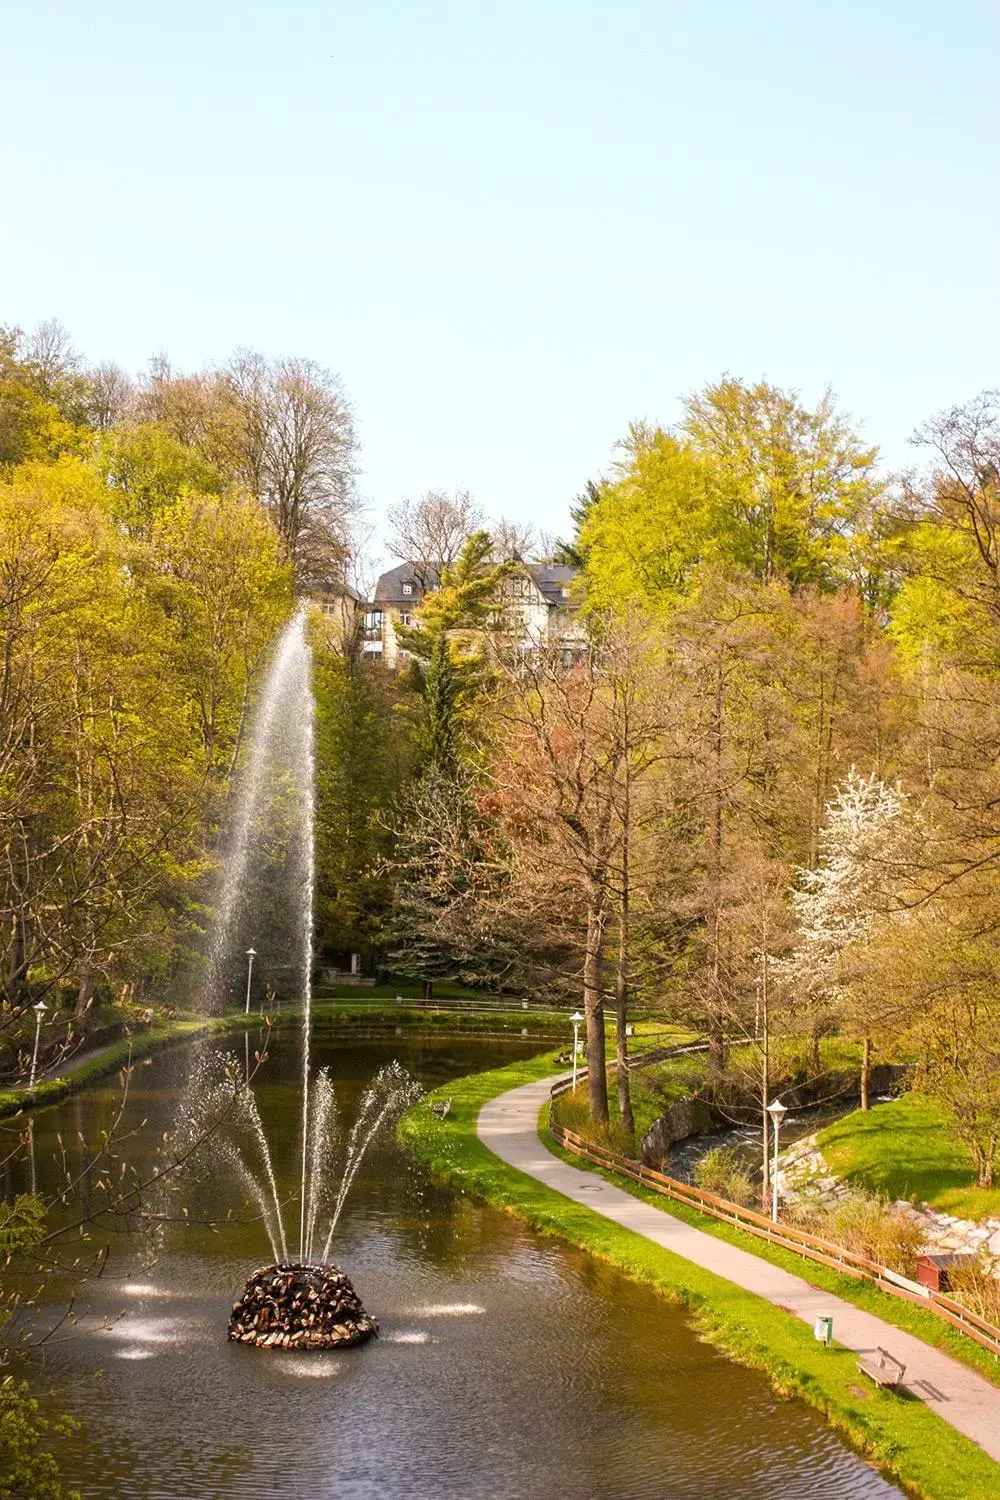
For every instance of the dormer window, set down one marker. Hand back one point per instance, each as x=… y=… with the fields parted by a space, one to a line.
x=407 y=589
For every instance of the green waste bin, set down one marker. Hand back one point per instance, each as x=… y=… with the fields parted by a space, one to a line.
x=823 y=1330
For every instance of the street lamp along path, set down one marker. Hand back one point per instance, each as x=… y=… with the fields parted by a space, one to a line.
x=576 y=1019
x=777 y=1111
x=251 y=955
x=39 y=1010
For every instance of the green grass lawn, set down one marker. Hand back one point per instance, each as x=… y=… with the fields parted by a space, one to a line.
x=901 y=1435
x=908 y=1149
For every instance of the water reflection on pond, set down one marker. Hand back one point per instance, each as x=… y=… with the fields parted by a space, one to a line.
x=508 y=1366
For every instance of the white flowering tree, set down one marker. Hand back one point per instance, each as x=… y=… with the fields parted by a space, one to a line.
x=841 y=904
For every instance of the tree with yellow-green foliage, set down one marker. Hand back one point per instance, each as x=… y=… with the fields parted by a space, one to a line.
x=128 y=666
x=751 y=480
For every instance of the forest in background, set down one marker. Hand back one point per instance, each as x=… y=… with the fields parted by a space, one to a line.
x=757 y=798
x=764 y=787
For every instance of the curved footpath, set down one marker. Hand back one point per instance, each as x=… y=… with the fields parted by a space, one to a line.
x=508 y=1125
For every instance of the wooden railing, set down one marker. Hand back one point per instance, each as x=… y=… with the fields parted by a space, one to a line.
x=799 y=1241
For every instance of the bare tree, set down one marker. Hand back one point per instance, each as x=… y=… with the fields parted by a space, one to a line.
x=965 y=482
x=111 y=396
x=430 y=532
x=512 y=541
x=293 y=443
x=573 y=747
x=49 y=353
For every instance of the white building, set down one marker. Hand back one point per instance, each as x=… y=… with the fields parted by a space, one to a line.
x=540 y=608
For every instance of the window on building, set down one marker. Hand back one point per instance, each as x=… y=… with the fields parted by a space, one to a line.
x=407 y=589
x=373 y=622
x=405 y=617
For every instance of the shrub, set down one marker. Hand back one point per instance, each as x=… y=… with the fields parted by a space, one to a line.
x=974 y=1283
x=724 y=1172
x=572 y=1111
x=866 y=1224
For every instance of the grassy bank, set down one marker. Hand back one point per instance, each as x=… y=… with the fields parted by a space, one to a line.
x=899 y=1434
x=366 y=1016
x=106 y=1061
x=908 y=1149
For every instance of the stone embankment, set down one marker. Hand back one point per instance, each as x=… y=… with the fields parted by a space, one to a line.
x=300 y=1307
x=803 y=1172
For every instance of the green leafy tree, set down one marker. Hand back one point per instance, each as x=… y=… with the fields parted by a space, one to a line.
x=436 y=823
x=364 y=739
x=751 y=481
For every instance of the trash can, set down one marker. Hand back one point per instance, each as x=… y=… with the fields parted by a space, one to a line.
x=823 y=1330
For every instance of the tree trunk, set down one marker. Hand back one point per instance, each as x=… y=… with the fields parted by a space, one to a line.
x=866 y=1072
x=593 y=1010
x=625 y=1114
x=17 y=965
x=84 y=994
x=427 y=989
x=716 y=1038
x=765 y=1096
x=984 y=1153
x=815 y=1060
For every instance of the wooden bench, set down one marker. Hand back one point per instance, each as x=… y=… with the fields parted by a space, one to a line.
x=884 y=1368
x=441 y=1110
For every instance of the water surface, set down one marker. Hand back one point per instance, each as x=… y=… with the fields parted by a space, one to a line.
x=509 y=1366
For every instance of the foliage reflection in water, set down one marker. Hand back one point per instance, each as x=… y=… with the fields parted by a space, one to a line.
x=509 y=1366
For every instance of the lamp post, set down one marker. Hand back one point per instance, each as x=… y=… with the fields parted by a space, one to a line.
x=576 y=1018
x=777 y=1111
x=39 y=1010
x=251 y=955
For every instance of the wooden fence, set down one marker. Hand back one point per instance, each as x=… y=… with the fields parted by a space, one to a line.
x=809 y=1246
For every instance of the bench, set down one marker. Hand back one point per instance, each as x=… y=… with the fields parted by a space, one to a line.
x=884 y=1368
x=441 y=1110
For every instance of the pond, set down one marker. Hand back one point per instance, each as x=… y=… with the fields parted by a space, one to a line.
x=509 y=1366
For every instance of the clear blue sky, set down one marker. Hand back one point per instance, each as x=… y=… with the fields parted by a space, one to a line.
x=514 y=227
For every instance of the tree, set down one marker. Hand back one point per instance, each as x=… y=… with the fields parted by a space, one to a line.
x=281 y=429
x=450 y=885
x=644 y=535
x=111 y=396
x=570 y=746
x=439 y=832
x=756 y=997
x=731 y=650
x=793 y=481
x=751 y=481
x=642 y=724
x=431 y=532
x=447 y=643
x=128 y=669
x=147 y=471
x=512 y=541
x=291 y=441
x=364 y=750
x=865 y=853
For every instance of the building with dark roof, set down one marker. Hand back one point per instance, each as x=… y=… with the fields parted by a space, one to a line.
x=539 y=600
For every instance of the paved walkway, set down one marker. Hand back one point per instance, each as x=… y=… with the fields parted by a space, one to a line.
x=508 y=1125
x=76 y=1061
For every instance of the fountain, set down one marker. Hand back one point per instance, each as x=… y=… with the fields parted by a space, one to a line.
x=303 y=1302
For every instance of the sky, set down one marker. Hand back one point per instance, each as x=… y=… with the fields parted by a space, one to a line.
x=514 y=228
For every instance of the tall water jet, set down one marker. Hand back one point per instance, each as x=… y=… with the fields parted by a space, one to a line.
x=308 y=846
x=270 y=859
x=280 y=746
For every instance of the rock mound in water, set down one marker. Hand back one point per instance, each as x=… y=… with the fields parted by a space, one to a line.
x=300 y=1307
